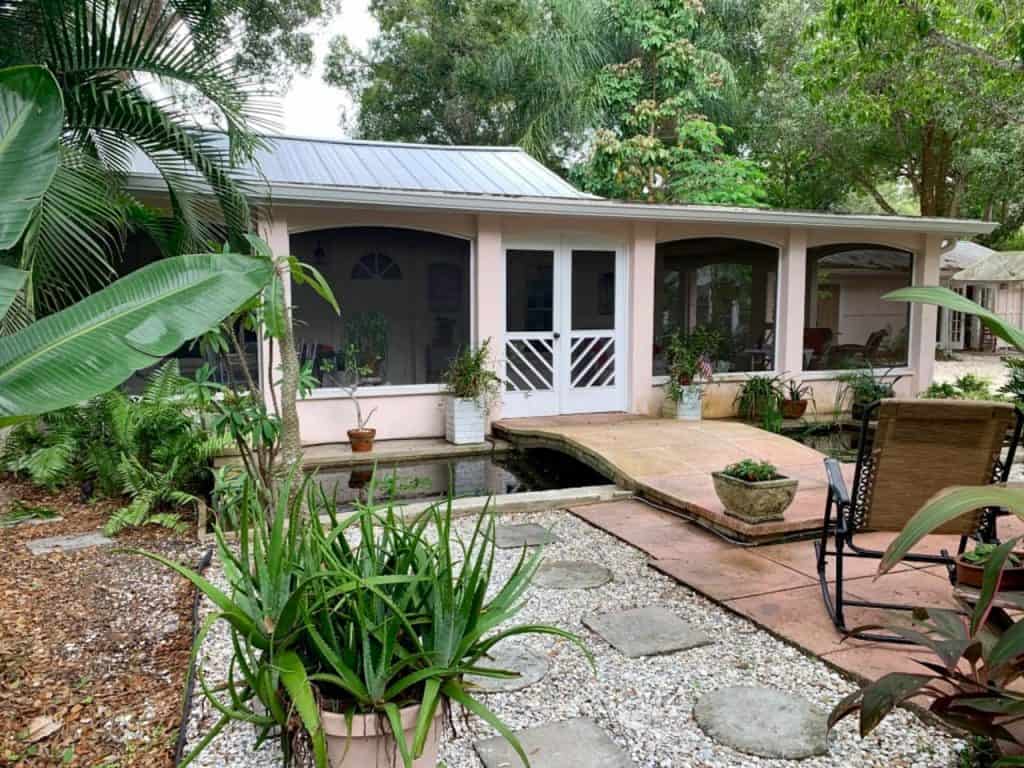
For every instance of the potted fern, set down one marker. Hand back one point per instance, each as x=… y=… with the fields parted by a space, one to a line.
x=754 y=491
x=690 y=364
x=472 y=387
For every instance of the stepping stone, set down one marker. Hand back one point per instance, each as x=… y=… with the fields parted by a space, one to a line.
x=513 y=657
x=646 y=632
x=764 y=722
x=571 y=574
x=68 y=543
x=577 y=743
x=524 y=535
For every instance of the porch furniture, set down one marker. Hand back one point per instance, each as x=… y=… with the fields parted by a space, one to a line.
x=867 y=351
x=917 y=448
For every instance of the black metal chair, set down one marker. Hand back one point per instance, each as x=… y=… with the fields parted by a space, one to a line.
x=910 y=450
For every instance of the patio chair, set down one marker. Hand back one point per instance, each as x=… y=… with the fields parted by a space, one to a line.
x=916 y=449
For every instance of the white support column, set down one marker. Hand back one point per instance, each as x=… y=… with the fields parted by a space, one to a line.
x=923 y=317
x=489 y=296
x=274 y=230
x=641 y=315
x=789 y=327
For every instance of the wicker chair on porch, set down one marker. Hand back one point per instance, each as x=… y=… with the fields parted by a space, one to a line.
x=916 y=449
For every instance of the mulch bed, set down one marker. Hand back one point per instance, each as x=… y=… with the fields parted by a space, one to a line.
x=94 y=644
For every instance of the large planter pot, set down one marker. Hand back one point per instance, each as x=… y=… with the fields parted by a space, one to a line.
x=369 y=743
x=465 y=421
x=688 y=406
x=754 y=502
x=793 y=409
x=971 y=575
x=361 y=440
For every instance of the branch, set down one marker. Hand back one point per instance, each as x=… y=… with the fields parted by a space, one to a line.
x=872 y=190
x=958 y=46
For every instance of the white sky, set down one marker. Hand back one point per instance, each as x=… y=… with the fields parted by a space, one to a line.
x=311 y=107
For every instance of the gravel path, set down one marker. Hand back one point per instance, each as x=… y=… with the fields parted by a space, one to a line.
x=644 y=704
x=989 y=367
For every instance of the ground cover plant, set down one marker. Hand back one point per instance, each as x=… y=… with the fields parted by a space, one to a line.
x=965 y=387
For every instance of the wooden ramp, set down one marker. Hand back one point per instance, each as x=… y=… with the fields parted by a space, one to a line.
x=670 y=462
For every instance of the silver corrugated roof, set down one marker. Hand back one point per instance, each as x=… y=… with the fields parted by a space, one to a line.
x=997 y=267
x=501 y=171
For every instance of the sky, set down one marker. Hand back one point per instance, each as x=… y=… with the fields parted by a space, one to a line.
x=311 y=107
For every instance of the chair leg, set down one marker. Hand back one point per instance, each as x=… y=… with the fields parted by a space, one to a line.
x=834 y=606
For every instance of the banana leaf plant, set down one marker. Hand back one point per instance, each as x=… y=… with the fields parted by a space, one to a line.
x=975 y=684
x=96 y=344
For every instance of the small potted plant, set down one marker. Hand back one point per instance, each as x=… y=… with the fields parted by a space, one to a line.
x=759 y=394
x=970 y=568
x=361 y=438
x=472 y=387
x=689 y=366
x=754 y=491
x=864 y=387
x=797 y=395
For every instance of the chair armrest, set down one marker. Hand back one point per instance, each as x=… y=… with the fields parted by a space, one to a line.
x=836 y=483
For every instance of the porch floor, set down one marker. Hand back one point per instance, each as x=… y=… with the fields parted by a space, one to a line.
x=776 y=586
x=670 y=462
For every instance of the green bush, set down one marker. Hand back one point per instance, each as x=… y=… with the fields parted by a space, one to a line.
x=966 y=387
x=760 y=394
x=1014 y=386
x=154 y=450
x=752 y=470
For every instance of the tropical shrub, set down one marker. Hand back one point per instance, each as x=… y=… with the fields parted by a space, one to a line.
x=155 y=449
x=966 y=387
x=1014 y=386
x=865 y=386
x=690 y=358
x=365 y=614
x=469 y=376
x=759 y=395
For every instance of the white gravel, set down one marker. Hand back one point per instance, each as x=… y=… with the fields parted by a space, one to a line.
x=989 y=367
x=644 y=704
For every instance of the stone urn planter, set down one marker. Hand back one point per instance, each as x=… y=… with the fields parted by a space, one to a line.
x=362 y=439
x=465 y=421
x=688 y=404
x=754 y=500
x=369 y=743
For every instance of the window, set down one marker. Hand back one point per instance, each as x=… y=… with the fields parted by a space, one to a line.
x=404 y=298
x=723 y=284
x=847 y=324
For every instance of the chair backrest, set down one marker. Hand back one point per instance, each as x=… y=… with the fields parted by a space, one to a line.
x=923 y=446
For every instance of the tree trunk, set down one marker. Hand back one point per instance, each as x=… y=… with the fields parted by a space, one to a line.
x=291 y=441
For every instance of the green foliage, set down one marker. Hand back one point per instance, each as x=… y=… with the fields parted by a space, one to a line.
x=865 y=386
x=690 y=357
x=966 y=387
x=364 y=614
x=798 y=390
x=981 y=553
x=758 y=395
x=752 y=471
x=469 y=376
x=20 y=512
x=155 y=450
x=980 y=752
x=1014 y=386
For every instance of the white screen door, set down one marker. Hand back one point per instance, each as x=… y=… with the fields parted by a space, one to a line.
x=565 y=320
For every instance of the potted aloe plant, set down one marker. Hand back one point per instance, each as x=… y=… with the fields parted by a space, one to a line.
x=754 y=491
x=472 y=387
x=690 y=364
x=353 y=637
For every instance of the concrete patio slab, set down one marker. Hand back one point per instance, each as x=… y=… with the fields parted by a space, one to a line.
x=511 y=657
x=67 y=543
x=650 y=631
x=764 y=722
x=576 y=743
x=522 y=535
x=732 y=573
x=571 y=574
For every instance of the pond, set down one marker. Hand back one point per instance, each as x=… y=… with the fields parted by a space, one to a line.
x=840 y=441
x=502 y=473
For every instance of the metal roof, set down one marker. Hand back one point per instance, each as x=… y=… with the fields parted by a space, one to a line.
x=998 y=267
x=499 y=171
x=964 y=254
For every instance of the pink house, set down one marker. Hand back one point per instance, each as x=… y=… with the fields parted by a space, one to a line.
x=431 y=248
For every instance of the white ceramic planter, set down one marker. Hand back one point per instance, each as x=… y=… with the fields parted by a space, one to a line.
x=368 y=743
x=688 y=405
x=465 y=421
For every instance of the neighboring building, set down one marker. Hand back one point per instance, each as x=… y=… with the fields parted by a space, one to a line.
x=993 y=279
x=431 y=248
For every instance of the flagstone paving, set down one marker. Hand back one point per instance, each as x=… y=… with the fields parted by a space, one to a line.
x=776 y=586
x=510 y=657
x=522 y=535
x=670 y=462
x=647 y=632
x=68 y=543
x=571 y=574
x=578 y=742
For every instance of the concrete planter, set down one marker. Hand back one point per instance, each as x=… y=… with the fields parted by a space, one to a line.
x=465 y=421
x=688 y=406
x=369 y=743
x=754 y=502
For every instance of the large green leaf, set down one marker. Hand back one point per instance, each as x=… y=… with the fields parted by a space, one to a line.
x=99 y=342
x=944 y=297
x=31 y=119
x=11 y=282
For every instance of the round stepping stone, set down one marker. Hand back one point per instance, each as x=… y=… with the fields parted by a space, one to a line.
x=523 y=535
x=764 y=722
x=571 y=574
x=512 y=657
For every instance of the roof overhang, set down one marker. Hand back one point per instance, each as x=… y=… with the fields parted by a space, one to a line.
x=318 y=196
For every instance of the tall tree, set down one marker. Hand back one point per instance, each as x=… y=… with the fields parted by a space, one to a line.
x=656 y=143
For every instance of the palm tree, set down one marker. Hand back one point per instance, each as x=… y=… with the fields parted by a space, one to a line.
x=132 y=80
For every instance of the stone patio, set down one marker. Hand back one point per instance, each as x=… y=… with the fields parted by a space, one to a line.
x=670 y=462
x=776 y=586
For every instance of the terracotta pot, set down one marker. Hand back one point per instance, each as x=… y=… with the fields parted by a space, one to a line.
x=793 y=409
x=754 y=502
x=369 y=743
x=971 y=575
x=362 y=439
